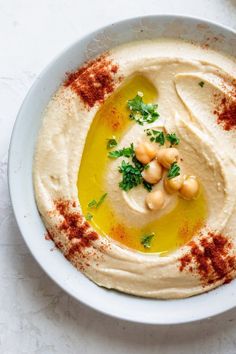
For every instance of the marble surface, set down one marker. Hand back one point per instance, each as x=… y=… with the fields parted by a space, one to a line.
x=36 y=317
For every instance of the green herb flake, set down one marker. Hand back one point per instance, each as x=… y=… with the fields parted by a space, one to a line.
x=146 y=240
x=173 y=139
x=125 y=152
x=94 y=204
x=147 y=186
x=146 y=167
x=131 y=176
x=141 y=112
x=155 y=136
x=101 y=200
x=201 y=83
x=88 y=216
x=173 y=171
x=111 y=143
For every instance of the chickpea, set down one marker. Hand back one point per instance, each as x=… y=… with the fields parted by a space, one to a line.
x=190 y=188
x=145 y=152
x=167 y=156
x=155 y=200
x=153 y=173
x=174 y=184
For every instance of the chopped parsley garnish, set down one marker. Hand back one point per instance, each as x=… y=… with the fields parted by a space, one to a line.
x=172 y=138
x=88 y=216
x=142 y=112
x=156 y=136
x=101 y=200
x=146 y=240
x=173 y=171
x=131 y=172
x=201 y=83
x=131 y=176
x=94 y=204
x=111 y=143
x=138 y=164
x=147 y=185
x=126 y=152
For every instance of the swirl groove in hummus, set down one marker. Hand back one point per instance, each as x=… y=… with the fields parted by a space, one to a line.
x=174 y=69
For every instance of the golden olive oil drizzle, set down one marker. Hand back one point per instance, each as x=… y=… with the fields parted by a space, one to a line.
x=172 y=230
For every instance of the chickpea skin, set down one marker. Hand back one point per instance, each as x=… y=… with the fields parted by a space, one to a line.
x=172 y=185
x=145 y=152
x=190 y=188
x=153 y=173
x=167 y=156
x=155 y=200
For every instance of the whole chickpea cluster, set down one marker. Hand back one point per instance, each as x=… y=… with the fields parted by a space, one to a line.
x=186 y=186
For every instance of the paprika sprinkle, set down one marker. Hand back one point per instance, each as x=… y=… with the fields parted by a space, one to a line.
x=94 y=80
x=226 y=111
x=73 y=225
x=211 y=259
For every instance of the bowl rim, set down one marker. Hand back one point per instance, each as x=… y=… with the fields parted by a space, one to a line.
x=10 y=167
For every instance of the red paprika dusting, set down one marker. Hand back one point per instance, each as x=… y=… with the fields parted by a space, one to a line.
x=94 y=80
x=226 y=112
x=82 y=244
x=74 y=226
x=58 y=244
x=185 y=260
x=210 y=258
x=119 y=234
x=48 y=236
x=116 y=119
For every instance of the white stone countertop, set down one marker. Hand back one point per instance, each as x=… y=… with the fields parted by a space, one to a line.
x=37 y=317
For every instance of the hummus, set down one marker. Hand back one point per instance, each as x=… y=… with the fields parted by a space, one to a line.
x=195 y=243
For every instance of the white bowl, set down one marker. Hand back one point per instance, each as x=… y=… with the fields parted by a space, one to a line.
x=20 y=173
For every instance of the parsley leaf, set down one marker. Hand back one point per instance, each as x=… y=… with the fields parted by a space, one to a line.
x=142 y=112
x=111 y=143
x=131 y=176
x=95 y=204
x=101 y=200
x=131 y=173
x=172 y=138
x=156 y=136
x=146 y=240
x=147 y=185
x=126 y=152
x=138 y=164
x=92 y=204
x=88 y=216
x=173 y=171
x=201 y=83
x=135 y=104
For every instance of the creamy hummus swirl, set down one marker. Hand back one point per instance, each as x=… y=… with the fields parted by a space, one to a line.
x=175 y=68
